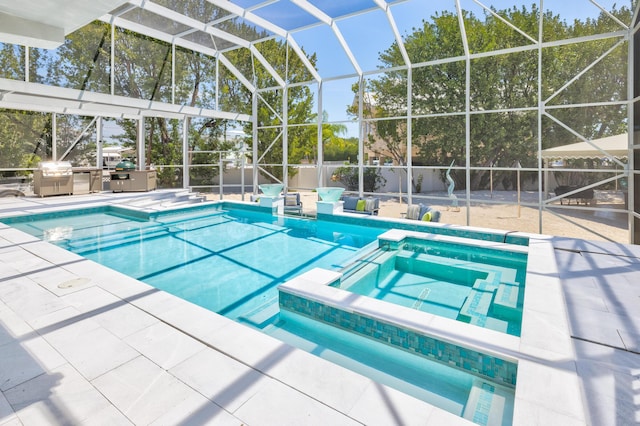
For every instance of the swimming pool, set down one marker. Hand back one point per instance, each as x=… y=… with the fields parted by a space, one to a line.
x=231 y=261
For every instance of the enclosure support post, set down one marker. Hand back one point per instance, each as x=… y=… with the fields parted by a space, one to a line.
x=99 y=143
x=254 y=160
x=140 y=145
x=185 y=153
x=54 y=136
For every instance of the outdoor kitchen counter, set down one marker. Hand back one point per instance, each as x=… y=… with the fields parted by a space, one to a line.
x=86 y=180
x=133 y=181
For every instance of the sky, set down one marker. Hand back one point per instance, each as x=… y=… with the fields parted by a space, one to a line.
x=378 y=36
x=369 y=34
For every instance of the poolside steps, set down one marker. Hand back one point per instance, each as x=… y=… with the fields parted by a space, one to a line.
x=505 y=303
x=475 y=308
x=117 y=239
x=494 y=292
x=438 y=267
x=488 y=404
x=162 y=200
x=486 y=299
x=366 y=273
x=121 y=236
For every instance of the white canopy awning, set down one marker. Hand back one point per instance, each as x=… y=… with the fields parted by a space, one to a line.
x=613 y=146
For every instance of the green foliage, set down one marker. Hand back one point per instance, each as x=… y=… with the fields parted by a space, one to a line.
x=348 y=176
x=498 y=82
x=24 y=136
x=338 y=149
x=302 y=140
x=11 y=61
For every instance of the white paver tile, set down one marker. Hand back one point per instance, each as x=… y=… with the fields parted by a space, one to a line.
x=29 y=299
x=6 y=412
x=142 y=390
x=586 y=299
x=92 y=351
x=616 y=358
x=441 y=417
x=596 y=326
x=116 y=315
x=546 y=331
x=544 y=294
x=87 y=268
x=52 y=253
x=58 y=321
x=61 y=396
x=248 y=345
x=108 y=416
x=386 y=406
x=332 y=384
x=611 y=393
x=554 y=387
x=59 y=281
x=26 y=359
x=151 y=300
x=17 y=237
x=7 y=272
x=197 y=321
x=527 y=413
x=164 y=345
x=223 y=380
x=11 y=421
x=278 y=404
x=197 y=410
x=12 y=327
x=631 y=340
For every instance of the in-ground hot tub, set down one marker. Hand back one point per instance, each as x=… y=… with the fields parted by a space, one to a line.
x=473 y=281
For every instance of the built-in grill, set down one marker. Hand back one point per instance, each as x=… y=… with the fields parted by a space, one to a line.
x=53 y=178
x=126 y=178
x=122 y=170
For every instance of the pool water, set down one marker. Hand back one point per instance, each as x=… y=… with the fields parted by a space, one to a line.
x=481 y=286
x=228 y=261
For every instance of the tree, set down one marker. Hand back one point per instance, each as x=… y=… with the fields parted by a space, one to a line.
x=340 y=149
x=25 y=138
x=348 y=176
x=502 y=83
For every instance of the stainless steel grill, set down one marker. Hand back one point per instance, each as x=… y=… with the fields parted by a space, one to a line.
x=55 y=168
x=53 y=178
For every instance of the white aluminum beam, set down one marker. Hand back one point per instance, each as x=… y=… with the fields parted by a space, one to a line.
x=267 y=66
x=19 y=94
x=162 y=36
x=25 y=32
x=249 y=16
x=396 y=33
x=189 y=22
x=323 y=17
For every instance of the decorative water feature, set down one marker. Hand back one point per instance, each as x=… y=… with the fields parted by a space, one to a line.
x=329 y=200
x=271 y=189
x=330 y=194
x=272 y=199
x=452 y=185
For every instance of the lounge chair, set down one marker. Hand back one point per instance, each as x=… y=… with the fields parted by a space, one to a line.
x=369 y=205
x=292 y=203
x=423 y=213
